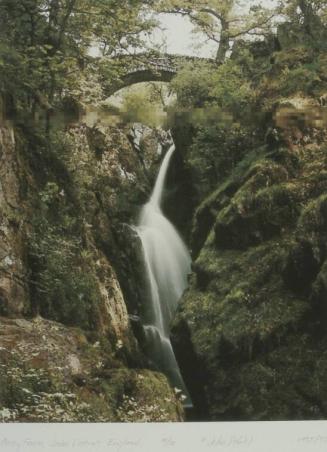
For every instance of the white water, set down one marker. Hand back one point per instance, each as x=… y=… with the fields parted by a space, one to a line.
x=167 y=264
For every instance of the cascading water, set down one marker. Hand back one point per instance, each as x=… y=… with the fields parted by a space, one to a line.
x=167 y=264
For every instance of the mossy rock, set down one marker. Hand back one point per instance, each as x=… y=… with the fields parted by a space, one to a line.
x=256 y=214
x=254 y=314
x=309 y=251
x=51 y=373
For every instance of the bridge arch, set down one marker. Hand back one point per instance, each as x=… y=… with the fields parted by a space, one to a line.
x=148 y=67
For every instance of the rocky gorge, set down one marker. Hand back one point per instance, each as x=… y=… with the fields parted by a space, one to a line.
x=162 y=273
x=64 y=359
x=250 y=332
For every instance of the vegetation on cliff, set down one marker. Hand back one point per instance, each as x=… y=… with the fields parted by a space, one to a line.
x=253 y=318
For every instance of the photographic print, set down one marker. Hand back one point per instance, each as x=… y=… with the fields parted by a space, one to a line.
x=163 y=212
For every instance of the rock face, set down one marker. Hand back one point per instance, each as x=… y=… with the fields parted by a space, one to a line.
x=254 y=318
x=67 y=347
x=14 y=296
x=51 y=373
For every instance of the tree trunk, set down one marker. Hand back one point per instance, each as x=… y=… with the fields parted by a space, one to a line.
x=224 y=42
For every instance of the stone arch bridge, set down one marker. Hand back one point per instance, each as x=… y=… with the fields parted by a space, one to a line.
x=146 y=67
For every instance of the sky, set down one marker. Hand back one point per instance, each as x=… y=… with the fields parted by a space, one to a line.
x=176 y=35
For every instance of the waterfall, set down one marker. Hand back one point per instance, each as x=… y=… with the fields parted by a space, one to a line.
x=167 y=264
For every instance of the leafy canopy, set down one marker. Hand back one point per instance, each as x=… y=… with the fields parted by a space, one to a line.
x=45 y=44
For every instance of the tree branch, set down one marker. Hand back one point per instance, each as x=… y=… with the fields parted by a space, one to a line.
x=64 y=22
x=252 y=27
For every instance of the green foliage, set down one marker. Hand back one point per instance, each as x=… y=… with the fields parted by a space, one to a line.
x=231 y=89
x=215 y=152
x=207 y=86
x=192 y=85
x=309 y=16
x=64 y=285
x=44 y=46
x=142 y=105
x=297 y=72
x=301 y=79
x=216 y=100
